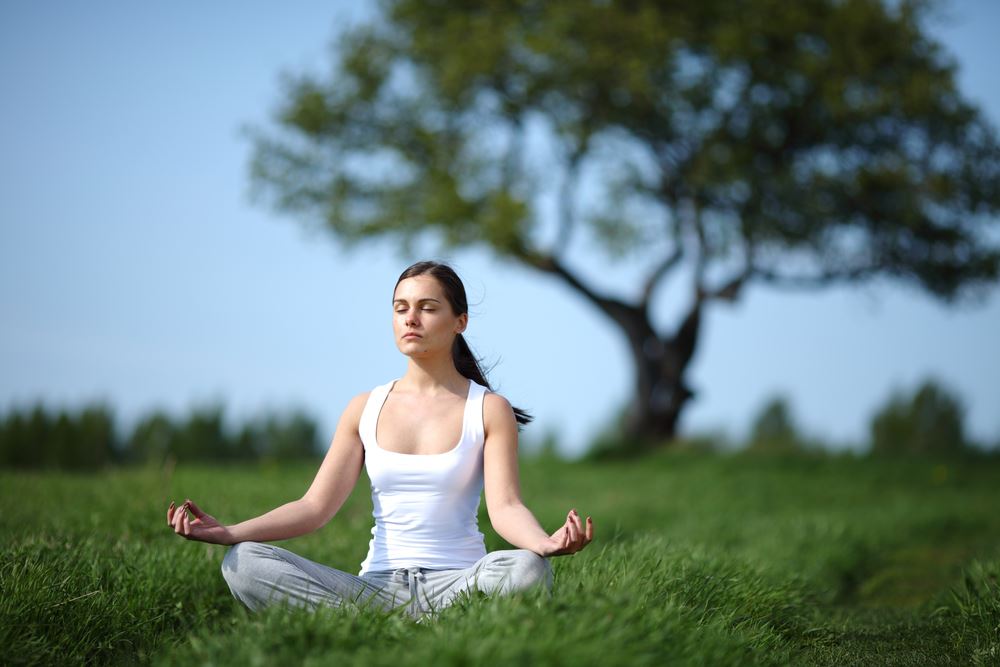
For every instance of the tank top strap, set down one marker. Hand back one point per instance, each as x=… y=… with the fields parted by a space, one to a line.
x=475 y=428
x=366 y=427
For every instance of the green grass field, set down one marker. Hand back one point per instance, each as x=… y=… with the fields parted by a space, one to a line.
x=697 y=559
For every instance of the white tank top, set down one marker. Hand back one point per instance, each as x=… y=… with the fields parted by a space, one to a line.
x=425 y=505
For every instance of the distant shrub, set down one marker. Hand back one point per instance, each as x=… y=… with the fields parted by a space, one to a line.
x=710 y=441
x=543 y=447
x=203 y=437
x=608 y=440
x=928 y=422
x=774 y=429
x=284 y=438
x=82 y=440
x=152 y=438
x=87 y=439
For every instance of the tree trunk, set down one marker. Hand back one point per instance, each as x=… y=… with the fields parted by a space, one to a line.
x=660 y=395
x=661 y=392
x=660 y=362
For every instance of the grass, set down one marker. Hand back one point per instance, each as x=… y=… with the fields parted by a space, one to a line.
x=698 y=559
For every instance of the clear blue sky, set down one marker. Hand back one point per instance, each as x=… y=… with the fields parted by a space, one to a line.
x=135 y=269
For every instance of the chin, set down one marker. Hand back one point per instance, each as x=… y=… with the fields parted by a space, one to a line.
x=416 y=352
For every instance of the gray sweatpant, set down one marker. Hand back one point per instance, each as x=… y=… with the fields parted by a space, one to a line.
x=261 y=574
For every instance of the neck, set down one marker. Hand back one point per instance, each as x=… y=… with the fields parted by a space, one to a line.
x=432 y=376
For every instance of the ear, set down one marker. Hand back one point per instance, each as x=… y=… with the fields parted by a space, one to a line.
x=463 y=322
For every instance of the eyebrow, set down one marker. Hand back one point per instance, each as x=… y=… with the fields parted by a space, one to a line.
x=395 y=301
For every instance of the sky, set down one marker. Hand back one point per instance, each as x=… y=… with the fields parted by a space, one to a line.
x=137 y=269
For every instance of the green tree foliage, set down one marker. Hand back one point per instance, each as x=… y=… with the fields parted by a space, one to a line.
x=794 y=145
x=927 y=422
x=774 y=429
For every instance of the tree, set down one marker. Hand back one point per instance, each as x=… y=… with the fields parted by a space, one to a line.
x=795 y=145
x=930 y=421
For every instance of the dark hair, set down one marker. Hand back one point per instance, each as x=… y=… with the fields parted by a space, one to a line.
x=465 y=361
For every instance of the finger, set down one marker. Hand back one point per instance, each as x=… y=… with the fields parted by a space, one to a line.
x=170 y=513
x=590 y=530
x=578 y=522
x=186 y=525
x=178 y=517
x=195 y=509
x=573 y=534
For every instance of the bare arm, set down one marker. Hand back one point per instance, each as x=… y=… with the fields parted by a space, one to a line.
x=333 y=483
x=510 y=518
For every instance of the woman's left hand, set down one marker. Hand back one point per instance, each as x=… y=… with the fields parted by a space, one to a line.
x=570 y=538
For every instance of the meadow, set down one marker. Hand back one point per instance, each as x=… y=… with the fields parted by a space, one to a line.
x=698 y=558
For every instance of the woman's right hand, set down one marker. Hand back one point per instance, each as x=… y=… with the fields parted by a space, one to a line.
x=203 y=527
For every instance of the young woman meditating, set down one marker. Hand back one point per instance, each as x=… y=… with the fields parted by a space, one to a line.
x=426 y=548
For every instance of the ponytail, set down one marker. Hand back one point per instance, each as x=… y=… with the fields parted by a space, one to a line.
x=467 y=365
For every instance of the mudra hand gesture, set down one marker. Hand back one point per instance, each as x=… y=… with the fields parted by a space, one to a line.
x=204 y=527
x=570 y=538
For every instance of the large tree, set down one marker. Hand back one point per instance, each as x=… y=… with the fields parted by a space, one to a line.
x=729 y=142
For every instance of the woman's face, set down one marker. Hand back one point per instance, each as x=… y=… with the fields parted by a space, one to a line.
x=420 y=307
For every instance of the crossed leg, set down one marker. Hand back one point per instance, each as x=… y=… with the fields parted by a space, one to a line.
x=261 y=574
x=501 y=572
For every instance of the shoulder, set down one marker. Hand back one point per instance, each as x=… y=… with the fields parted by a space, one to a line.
x=355 y=407
x=357 y=404
x=359 y=401
x=496 y=403
x=497 y=412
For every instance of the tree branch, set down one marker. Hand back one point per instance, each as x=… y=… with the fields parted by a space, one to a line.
x=685 y=340
x=701 y=258
x=665 y=266
x=514 y=152
x=551 y=264
x=730 y=289
x=566 y=200
x=814 y=281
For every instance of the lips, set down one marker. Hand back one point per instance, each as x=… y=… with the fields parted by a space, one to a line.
x=411 y=335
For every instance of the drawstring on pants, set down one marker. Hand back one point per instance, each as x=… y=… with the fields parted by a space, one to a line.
x=413 y=574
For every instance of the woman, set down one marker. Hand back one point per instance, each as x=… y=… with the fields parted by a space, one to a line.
x=426 y=548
